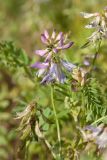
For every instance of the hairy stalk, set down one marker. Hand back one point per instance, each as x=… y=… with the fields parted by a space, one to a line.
x=96 y=54
x=57 y=122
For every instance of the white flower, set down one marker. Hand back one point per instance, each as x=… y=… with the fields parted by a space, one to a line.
x=98 y=135
x=98 y=22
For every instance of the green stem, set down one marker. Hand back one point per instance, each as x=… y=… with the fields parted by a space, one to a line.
x=98 y=120
x=50 y=148
x=57 y=122
x=27 y=151
x=96 y=54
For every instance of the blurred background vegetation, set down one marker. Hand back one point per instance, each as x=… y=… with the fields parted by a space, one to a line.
x=22 y=21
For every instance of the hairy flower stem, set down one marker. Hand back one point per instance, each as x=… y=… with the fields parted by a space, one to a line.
x=57 y=122
x=96 y=54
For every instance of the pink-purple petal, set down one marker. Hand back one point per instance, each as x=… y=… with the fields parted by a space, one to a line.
x=48 y=57
x=40 y=65
x=41 y=52
x=66 y=46
x=67 y=65
x=61 y=42
x=53 y=34
x=43 y=39
x=59 y=36
x=46 y=34
x=55 y=50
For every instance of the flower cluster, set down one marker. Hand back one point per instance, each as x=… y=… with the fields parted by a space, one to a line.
x=28 y=120
x=53 y=68
x=29 y=123
x=79 y=78
x=79 y=75
x=99 y=22
x=98 y=135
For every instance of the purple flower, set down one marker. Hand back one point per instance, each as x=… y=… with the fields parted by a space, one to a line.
x=92 y=129
x=53 y=68
x=51 y=71
x=40 y=65
x=96 y=134
x=88 y=60
x=54 y=44
x=55 y=73
x=67 y=65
